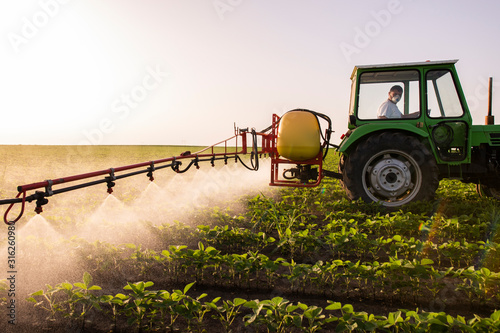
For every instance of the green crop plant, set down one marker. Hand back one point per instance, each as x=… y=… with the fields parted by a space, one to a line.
x=98 y=257
x=271 y=267
x=245 y=266
x=78 y=302
x=234 y=239
x=350 y=321
x=481 y=284
x=139 y=302
x=144 y=260
x=51 y=302
x=80 y=297
x=479 y=324
x=299 y=275
x=201 y=259
x=227 y=312
x=115 y=303
x=194 y=311
x=340 y=242
x=168 y=307
x=314 y=317
x=174 y=233
x=276 y=314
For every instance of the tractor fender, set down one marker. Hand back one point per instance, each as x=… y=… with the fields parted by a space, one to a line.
x=363 y=131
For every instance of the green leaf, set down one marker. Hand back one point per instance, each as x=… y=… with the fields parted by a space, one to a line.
x=302 y=306
x=67 y=285
x=38 y=293
x=437 y=321
x=187 y=287
x=95 y=288
x=121 y=296
x=348 y=308
x=277 y=300
x=80 y=285
x=87 y=279
x=426 y=261
x=239 y=301
x=334 y=306
x=251 y=304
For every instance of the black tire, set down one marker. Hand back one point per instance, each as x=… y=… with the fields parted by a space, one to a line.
x=485 y=191
x=391 y=168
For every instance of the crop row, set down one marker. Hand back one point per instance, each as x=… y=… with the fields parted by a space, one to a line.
x=350 y=242
x=399 y=279
x=155 y=310
x=299 y=209
x=403 y=277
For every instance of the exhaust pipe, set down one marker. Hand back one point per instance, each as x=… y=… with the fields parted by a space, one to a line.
x=490 y=119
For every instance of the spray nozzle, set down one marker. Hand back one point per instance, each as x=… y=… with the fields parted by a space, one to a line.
x=40 y=201
x=151 y=169
x=110 y=180
x=195 y=162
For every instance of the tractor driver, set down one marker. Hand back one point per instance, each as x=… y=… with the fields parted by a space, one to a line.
x=388 y=109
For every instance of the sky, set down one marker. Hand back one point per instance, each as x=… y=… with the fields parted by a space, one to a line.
x=172 y=72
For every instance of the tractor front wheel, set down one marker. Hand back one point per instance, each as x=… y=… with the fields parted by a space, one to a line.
x=390 y=168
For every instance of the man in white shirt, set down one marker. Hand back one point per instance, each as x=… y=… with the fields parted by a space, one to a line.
x=388 y=109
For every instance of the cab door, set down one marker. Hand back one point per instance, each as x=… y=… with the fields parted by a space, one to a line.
x=445 y=118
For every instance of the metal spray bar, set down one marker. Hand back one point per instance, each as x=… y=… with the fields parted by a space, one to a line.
x=207 y=154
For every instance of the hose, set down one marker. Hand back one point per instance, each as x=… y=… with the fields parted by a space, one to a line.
x=254 y=156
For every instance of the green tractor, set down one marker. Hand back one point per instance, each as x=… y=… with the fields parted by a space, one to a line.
x=397 y=152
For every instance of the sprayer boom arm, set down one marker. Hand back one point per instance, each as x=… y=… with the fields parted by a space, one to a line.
x=208 y=154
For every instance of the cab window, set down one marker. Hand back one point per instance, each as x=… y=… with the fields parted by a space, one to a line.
x=374 y=88
x=442 y=96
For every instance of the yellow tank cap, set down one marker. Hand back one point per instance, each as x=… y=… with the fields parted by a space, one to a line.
x=298 y=136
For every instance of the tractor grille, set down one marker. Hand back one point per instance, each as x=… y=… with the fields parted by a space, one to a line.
x=495 y=139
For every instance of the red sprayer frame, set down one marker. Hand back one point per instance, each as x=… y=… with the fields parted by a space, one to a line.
x=267 y=146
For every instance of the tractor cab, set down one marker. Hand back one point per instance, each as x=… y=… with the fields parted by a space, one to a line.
x=432 y=105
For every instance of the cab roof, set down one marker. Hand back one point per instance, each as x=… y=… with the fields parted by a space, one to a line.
x=405 y=64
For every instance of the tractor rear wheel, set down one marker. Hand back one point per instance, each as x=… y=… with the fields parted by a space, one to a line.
x=391 y=168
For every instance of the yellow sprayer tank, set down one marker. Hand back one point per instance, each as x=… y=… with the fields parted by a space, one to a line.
x=298 y=136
